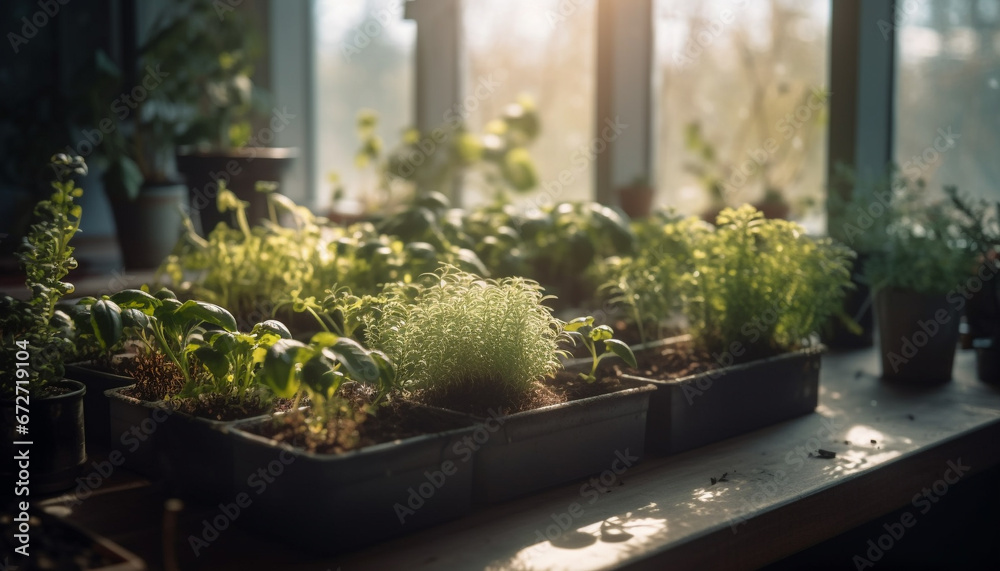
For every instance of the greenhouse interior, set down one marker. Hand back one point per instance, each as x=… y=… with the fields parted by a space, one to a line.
x=499 y=284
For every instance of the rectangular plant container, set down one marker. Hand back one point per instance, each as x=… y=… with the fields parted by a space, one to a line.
x=135 y=427
x=192 y=455
x=337 y=502
x=699 y=409
x=96 y=407
x=528 y=451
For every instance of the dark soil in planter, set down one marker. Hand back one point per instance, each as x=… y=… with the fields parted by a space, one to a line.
x=58 y=545
x=395 y=419
x=184 y=441
x=671 y=361
x=362 y=493
x=481 y=399
x=158 y=380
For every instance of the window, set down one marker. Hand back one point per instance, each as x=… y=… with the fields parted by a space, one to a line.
x=948 y=94
x=364 y=60
x=544 y=49
x=741 y=104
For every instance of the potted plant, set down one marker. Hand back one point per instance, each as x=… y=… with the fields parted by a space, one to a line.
x=136 y=155
x=195 y=373
x=753 y=291
x=211 y=62
x=916 y=257
x=636 y=199
x=360 y=464
x=42 y=411
x=487 y=352
x=644 y=286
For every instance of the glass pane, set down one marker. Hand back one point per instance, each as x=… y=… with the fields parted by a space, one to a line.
x=365 y=55
x=741 y=103
x=544 y=49
x=948 y=94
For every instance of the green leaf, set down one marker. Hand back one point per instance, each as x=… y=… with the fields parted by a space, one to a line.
x=200 y=311
x=135 y=319
x=214 y=361
x=106 y=320
x=387 y=371
x=320 y=376
x=164 y=293
x=278 y=372
x=272 y=326
x=136 y=299
x=324 y=339
x=356 y=360
x=519 y=169
x=167 y=309
x=578 y=323
x=621 y=349
x=223 y=342
x=601 y=333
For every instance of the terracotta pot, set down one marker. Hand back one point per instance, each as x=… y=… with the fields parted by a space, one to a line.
x=636 y=200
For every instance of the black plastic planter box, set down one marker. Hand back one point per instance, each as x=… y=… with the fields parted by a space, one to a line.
x=337 y=502
x=696 y=410
x=532 y=450
x=96 y=407
x=135 y=428
x=193 y=455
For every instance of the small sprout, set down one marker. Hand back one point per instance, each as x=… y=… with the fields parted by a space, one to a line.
x=582 y=329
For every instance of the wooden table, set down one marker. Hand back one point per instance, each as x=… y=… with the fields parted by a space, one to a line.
x=774 y=500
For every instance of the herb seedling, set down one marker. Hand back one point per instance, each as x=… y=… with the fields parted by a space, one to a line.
x=582 y=329
x=46 y=256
